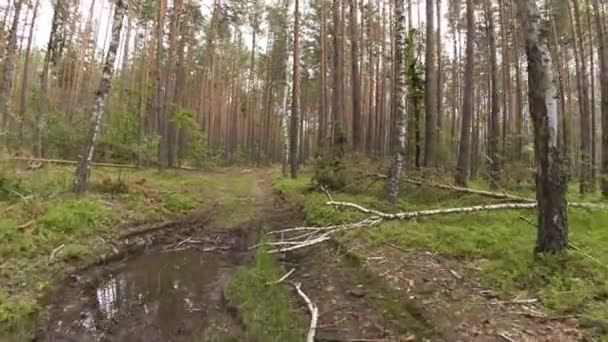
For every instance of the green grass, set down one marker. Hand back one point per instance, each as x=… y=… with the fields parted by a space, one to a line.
x=38 y=214
x=495 y=246
x=268 y=312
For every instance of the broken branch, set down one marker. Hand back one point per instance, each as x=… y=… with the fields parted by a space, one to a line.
x=314 y=313
x=282 y=278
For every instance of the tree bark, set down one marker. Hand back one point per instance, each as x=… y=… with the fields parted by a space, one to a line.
x=26 y=75
x=585 y=174
x=603 y=62
x=357 y=136
x=550 y=180
x=160 y=91
x=338 y=95
x=430 y=101
x=8 y=67
x=493 y=132
x=84 y=167
x=464 y=153
x=294 y=133
x=323 y=106
x=399 y=139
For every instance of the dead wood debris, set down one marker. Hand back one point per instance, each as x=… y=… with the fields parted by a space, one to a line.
x=314 y=313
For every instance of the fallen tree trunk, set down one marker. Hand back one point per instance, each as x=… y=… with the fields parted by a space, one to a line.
x=433 y=212
x=310 y=236
x=497 y=195
x=73 y=162
x=443 y=211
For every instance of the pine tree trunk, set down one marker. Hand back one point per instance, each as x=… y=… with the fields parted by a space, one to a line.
x=585 y=174
x=338 y=91
x=160 y=91
x=8 y=67
x=357 y=136
x=396 y=169
x=464 y=153
x=429 y=89
x=603 y=63
x=550 y=180
x=439 y=86
x=294 y=133
x=26 y=75
x=493 y=132
x=83 y=169
x=323 y=107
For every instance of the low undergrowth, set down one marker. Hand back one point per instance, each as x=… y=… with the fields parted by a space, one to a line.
x=45 y=231
x=267 y=311
x=495 y=247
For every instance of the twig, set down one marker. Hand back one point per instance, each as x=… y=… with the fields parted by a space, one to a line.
x=515 y=301
x=585 y=254
x=55 y=251
x=505 y=336
x=329 y=197
x=314 y=313
x=282 y=278
x=26 y=225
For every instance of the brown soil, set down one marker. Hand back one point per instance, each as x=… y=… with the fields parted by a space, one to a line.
x=458 y=306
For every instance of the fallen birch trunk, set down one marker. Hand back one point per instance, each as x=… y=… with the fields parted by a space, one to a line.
x=433 y=212
x=310 y=236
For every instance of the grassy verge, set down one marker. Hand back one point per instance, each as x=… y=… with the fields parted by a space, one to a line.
x=38 y=215
x=494 y=246
x=268 y=312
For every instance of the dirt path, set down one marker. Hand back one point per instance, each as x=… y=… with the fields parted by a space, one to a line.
x=167 y=285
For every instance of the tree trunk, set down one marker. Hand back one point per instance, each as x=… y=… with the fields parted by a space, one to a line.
x=430 y=94
x=294 y=133
x=585 y=174
x=323 y=107
x=439 y=98
x=550 y=180
x=338 y=95
x=83 y=169
x=394 y=175
x=464 y=153
x=603 y=62
x=493 y=132
x=357 y=136
x=8 y=67
x=26 y=75
x=160 y=91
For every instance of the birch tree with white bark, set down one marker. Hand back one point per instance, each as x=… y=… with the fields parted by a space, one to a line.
x=399 y=139
x=84 y=166
x=550 y=178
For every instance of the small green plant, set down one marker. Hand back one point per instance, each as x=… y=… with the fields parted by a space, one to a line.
x=267 y=311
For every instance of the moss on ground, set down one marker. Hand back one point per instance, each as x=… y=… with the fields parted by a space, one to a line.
x=38 y=214
x=495 y=246
x=267 y=311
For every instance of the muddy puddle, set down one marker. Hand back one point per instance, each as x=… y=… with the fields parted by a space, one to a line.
x=161 y=296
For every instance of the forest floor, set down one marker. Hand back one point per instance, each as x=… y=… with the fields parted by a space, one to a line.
x=165 y=257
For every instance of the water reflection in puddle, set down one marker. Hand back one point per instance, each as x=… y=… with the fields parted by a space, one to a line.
x=159 y=291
